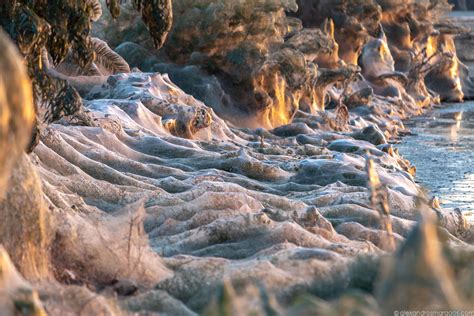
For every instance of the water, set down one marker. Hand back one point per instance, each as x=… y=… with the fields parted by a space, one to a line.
x=442 y=149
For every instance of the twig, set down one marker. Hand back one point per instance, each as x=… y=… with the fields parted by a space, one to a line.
x=379 y=199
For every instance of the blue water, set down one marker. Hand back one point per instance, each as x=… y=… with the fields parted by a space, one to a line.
x=442 y=149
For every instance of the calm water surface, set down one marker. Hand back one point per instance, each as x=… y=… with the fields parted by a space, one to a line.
x=442 y=149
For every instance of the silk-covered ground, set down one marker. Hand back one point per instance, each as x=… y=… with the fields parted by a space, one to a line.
x=114 y=213
x=288 y=212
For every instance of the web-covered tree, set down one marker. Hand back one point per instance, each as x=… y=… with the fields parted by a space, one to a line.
x=57 y=28
x=156 y=14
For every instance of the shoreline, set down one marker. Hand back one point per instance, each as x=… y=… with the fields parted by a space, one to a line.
x=436 y=125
